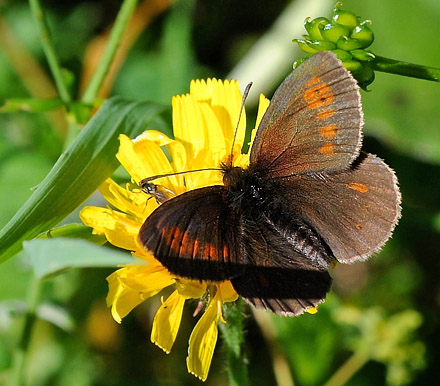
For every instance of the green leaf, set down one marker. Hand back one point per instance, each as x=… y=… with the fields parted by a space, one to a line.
x=30 y=104
x=51 y=256
x=79 y=171
x=75 y=231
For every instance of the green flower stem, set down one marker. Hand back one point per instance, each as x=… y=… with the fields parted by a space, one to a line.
x=24 y=338
x=348 y=369
x=280 y=364
x=49 y=50
x=406 y=69
x=115 y=37
x=233 y=340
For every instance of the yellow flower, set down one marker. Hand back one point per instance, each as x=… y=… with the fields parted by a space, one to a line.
x=204 y=122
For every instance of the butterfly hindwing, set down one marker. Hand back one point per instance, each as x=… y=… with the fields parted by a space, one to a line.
x=278 y=276
x=200 y=235
x=354 y=211
x=193 y=235
x=313 y=122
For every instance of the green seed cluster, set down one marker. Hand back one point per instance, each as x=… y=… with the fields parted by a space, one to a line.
x=345 y=35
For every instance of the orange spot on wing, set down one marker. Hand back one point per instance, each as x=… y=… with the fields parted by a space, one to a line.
x=327 y=149
x=184 y=244
x=318 y=94
x=329 y=131
x=213 y=252
x=225 y=252
x=196 y=248
x=313 y=81
x=358 y=227
x=206 y=251
x=176 y=237
x=325 y=114
x=167 y=235
x=358 y=187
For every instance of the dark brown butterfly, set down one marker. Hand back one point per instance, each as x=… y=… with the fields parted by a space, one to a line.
x=309 y=196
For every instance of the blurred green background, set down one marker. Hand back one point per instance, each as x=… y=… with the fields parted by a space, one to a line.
x=379 y=325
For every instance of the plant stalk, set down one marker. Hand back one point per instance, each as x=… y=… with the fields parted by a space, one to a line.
x=406 y=69
x=348 y=369
x=24 y=338
x=233 y=341
x=114 y=40
x=49 y=50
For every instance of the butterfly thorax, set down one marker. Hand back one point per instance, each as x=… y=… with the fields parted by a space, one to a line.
x=258 y=200
x=246 y=186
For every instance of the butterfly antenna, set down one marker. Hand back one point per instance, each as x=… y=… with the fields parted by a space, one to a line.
x=243 y=100
x=145 y=181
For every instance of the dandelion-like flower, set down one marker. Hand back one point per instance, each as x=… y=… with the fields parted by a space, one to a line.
x=204 y=123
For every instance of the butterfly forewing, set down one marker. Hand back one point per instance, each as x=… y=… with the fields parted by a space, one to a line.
x=194 y=235
x=313 y=122
x=354 y=211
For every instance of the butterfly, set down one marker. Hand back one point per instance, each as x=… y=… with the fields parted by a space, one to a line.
x=308 y=197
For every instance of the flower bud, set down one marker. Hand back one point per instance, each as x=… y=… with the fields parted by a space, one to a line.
x=304 y=46
x=348 y=44
x=332 y=32
x=365 y=76
x=322 y=45
x=363 y=33
x=363 y=55
x=342 y=55
x=345 y=35
x=352 y=65
x=346 y=18
x=312 y=27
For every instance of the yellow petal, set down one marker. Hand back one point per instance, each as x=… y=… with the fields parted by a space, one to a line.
x=312 y=310
x=205 y=159
x=188 y=124
x=242 y=160
x=190 y=289
x=202 y=89
x=135 y=203
x=167 y=322
x=131 y=285
x=226 y=292
x=120 y=230
x=146 y=279
x=214 y=137
x=143 y=159
x=202 y=341
x=224 y=100
x=175 y=149
x=149 y=259
x=226 y=103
